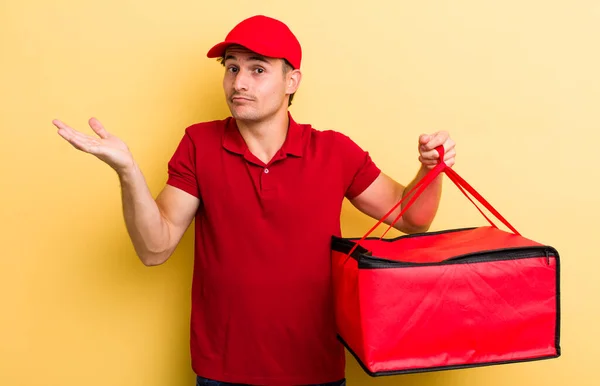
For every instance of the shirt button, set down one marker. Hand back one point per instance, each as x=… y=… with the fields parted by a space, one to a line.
x=267 y=170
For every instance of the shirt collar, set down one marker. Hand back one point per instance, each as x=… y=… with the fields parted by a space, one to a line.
x=293 y=144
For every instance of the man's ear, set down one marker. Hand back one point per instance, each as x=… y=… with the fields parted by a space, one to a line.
x=293 y=79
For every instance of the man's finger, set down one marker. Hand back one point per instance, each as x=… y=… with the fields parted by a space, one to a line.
x=67 y=133
x=63 y=128
x=430 y=154
x=450 y=154
x=449 y=144
x=58 y=123
x=76 y=142
x=61 y=125
x=98 y=128
x=427 y=161
x=437 y=140
x=70 y=134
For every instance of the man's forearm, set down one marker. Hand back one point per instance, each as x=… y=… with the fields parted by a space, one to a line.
x=420 y=215
x=146 y=226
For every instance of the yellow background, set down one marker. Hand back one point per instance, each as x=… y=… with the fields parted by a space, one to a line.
x=516 y=83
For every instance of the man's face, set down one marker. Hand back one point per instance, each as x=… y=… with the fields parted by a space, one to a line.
x=255 y=86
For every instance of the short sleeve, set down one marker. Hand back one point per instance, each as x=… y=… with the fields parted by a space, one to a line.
x=182 y=167
x=359 y=169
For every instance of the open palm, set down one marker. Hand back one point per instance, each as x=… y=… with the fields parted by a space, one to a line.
x=106 y=146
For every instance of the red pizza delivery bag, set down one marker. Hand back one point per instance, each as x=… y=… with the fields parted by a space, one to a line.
x=449 y=299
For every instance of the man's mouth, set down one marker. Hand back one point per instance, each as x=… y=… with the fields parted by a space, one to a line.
x=240 y=99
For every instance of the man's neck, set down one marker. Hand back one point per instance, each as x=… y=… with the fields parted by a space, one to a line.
x=265 y=138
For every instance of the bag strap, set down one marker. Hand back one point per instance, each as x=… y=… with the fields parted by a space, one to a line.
x=422 y=184
x=459 y=181
x=453 y=179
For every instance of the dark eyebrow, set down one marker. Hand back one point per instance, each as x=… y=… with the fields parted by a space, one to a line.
x=257 y=58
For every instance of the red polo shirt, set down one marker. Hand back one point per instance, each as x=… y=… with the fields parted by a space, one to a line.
x=262 y=310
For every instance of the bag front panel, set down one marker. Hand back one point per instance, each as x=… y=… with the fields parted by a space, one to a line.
x=424 y=317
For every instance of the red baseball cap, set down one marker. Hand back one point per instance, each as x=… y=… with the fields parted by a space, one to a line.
x=265 y=36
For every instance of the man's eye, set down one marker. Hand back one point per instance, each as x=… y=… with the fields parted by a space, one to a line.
x=232 y=69
x=259 y=70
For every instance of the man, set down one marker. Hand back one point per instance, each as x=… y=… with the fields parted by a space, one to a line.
x=266 y=193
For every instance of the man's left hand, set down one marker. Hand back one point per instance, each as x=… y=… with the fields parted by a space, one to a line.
x=428 y=156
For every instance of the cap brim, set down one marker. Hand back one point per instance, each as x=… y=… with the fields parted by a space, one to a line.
x=218 y=50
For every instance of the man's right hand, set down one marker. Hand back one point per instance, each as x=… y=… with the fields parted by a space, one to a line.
x=155 y=226
x=106 y=147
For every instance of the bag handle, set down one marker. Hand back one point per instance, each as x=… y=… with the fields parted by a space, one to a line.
x=420 y=186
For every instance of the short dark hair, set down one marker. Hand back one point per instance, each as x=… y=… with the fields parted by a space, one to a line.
x=287 y=67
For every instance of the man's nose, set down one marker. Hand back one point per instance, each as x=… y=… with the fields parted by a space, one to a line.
x=241 y=80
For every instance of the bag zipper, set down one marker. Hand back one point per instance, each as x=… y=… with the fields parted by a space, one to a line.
x=478 y=257
x=344 y=245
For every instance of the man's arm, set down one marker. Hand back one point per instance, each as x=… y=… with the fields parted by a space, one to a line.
x=384 y=192
x=154 y=226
